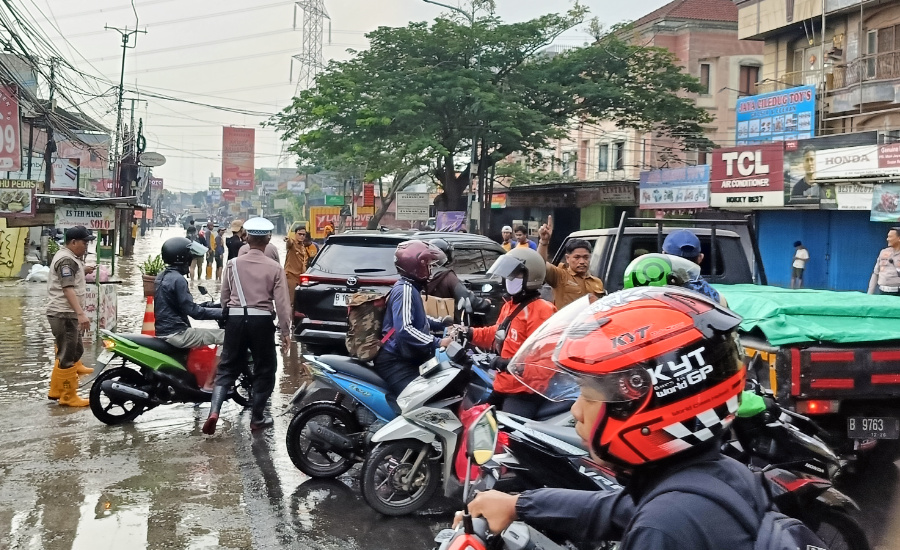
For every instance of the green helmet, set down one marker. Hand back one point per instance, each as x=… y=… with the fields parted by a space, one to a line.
x=660 y=270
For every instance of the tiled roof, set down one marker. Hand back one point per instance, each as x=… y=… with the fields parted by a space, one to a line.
x=700 y=10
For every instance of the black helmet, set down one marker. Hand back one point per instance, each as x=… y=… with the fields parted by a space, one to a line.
x=445 y=247
x=177 y=251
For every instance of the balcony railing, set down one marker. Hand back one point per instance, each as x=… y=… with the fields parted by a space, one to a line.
x=789 y=80
x=880 y=66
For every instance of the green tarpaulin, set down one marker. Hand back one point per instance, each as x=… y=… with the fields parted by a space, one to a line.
x=802 y=316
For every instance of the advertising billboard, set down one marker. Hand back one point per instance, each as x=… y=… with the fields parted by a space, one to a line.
x=675 y=188
x=10 y=143
x=803 y=168
x=64 y=175
x=777 y=116
x=747 y=177
x=237 y=158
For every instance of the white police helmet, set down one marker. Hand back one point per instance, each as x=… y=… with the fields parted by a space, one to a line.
x=259 y=227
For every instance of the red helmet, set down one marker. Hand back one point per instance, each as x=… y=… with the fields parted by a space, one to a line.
x=665 y=361
x=415 y=259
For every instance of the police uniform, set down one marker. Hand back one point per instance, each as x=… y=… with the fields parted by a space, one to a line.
x=886 y=275
x=253 y=288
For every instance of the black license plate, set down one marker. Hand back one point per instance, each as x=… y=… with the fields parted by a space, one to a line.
x=869 y=427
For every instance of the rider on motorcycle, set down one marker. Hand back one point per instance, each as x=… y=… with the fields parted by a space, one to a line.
x=173 y=302
x=523 y=271
x=657 y=372
x=445 y=284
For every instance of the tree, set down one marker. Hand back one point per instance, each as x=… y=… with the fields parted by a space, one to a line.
x=199 y=199
x=422 y=94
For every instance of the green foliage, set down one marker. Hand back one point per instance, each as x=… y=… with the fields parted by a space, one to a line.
x=199 y=199
x=516 y=175
x=152 y=266
x=418 y=96
x=52 y=247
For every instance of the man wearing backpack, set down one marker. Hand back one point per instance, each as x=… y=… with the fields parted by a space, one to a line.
x=658 y=374
x=406 y=329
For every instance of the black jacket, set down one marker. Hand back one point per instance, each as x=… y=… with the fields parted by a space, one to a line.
x=173 y=304
x=445 y=284
x=671 y=521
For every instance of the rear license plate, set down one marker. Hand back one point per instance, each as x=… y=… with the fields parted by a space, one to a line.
x=866 y=427
x=341 y=299
x=105 y=357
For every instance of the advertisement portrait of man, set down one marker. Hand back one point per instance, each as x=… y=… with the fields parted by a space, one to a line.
x=803 y=186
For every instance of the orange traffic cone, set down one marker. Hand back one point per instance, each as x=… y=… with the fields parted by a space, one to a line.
x=149 y=327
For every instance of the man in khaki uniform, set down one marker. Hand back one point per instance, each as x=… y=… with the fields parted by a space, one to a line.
x=572 y=281
x=65 y=312
x=253 y=288
x=886 y=275
x=299 y=250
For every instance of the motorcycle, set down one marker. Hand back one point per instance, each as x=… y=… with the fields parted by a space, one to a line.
x=416 y=450
x=164 y=375
x=345 y=405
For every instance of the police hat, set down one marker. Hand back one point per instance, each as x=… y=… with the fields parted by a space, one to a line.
x=79 y=233
x=259 y=227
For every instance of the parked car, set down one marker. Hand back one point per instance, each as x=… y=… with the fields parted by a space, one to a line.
x=364 y=260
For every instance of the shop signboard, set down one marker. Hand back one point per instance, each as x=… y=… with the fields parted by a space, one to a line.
x=237 y=158
x=368 y=194
x=747 y=177
x=96 y=218
x=675 y=188
x=157 y=183
x=846 y=196
x=334 y=200
x=777 y=116
x=17 y=198
x=885 y=202
x=10 y=134
x=64 y=176
x=803 y=168
x=412 y=206
x=498 y=200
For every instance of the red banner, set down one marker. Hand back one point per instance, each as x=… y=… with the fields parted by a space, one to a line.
x=368 y=194
x=10 y=143
x=229 y=195
x=359 y=221
x=237 y=158
x=747 y=177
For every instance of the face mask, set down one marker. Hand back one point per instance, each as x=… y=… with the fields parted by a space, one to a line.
x=514 y=286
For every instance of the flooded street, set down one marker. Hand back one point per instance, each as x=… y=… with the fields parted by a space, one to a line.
x=71 y=482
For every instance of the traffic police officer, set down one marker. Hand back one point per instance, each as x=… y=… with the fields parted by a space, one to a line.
x=253 y=285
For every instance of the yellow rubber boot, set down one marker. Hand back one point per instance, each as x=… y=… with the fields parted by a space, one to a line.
x=69 y=397
x=55 y=382
x=81 y=369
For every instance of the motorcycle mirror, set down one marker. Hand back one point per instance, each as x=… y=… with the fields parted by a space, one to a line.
x=202 y=290
x=482 y=439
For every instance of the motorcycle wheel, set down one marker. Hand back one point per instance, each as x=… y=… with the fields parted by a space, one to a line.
x=382 y=472
x=241 y=392
x=115 y=410
x=311 y=457
x=837 y=529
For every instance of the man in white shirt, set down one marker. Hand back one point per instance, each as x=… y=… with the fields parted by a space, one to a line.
x=801 y=256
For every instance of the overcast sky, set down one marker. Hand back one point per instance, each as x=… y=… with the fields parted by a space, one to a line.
x=234 y=53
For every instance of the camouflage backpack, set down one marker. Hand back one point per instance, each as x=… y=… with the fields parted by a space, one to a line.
x=365 y=315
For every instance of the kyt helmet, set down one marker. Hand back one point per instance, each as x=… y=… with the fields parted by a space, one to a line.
x=415 y=259
x=445 y=247
x=176 y=252
x=665 y=363
x=520 y=263
x=660 y=270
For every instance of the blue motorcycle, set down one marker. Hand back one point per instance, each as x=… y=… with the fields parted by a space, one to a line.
x=346 y=403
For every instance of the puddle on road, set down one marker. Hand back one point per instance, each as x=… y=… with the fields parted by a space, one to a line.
x=117 y=525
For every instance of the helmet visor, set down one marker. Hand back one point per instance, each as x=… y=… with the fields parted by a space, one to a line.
x=507 y=267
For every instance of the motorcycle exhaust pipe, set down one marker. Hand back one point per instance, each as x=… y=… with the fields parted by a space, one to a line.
x=123 y=391
x=326 y=435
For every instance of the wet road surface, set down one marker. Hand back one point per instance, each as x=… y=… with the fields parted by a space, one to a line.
x=67 y=481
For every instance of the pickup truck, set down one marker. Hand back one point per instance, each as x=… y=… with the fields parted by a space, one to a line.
x=849 y=389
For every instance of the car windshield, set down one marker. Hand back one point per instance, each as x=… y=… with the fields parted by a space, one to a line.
x=356 y=259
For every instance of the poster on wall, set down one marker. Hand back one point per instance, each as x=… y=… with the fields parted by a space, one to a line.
x=802 y=165
x=237 y=158
x=885 y=202
x=450 y=221
x=17 y=198
x=778 y=116
x=747 y=177
x=675 y=188
x=846 y=196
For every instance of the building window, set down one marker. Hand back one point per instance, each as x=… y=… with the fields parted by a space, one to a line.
x=871 y=50
x=619 y=155
x=705 y=71
x=748 y=78
x=603 y=158
x=568 y=164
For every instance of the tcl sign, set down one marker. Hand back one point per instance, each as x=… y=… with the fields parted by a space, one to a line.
x=747 y=177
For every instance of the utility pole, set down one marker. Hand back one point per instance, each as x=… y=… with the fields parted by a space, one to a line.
x=124 y=222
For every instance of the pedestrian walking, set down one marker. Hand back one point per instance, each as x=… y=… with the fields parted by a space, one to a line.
x=219 y=251
x=210 y=235
x=197 y=261
x=801 y=256
x=886 y=275
x=253 y=289
x=65 y=311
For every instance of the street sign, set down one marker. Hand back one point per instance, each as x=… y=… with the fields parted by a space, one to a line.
x=334 y=200
x=412 y=206
x=152 y=159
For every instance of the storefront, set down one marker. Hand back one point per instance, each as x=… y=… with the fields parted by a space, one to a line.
x=675 y=191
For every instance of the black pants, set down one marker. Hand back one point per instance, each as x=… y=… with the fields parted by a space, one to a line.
x=256 y=333
x=528 y=405
x=397 y=371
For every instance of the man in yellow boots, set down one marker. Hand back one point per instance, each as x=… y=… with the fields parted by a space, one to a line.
x=65 y=312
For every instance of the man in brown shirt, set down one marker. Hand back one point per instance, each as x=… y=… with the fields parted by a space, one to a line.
x=253 y=288
x=299 y=250
x=572 y=281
